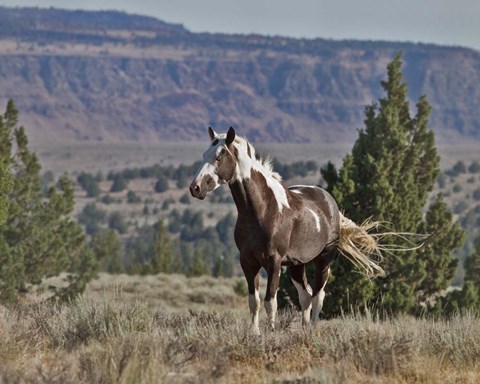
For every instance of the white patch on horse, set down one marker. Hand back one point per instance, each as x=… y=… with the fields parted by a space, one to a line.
x=317 y=301
x=296 y=191
x=254 y=304
x=305 y=299
x=246 y=164
x=271 y=308
x=279 y=192
x=317 y=219
x=301 y=186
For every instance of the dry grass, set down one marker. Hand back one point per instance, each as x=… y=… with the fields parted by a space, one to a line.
x=120 y=333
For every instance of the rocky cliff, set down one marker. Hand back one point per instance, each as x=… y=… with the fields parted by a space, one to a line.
x=110 y=76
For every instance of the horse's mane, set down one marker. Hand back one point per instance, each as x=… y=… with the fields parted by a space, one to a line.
x=265 y=163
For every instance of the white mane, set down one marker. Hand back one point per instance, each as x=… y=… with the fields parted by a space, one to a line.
x=248 y=160
x=264 y=165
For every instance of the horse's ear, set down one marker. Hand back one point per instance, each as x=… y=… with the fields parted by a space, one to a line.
x=230 y=136
x=213 y=135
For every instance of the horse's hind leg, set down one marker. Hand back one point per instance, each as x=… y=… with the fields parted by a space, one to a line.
x=251 y=275
x=322 y=271
x=319 y=295
x=299 y=278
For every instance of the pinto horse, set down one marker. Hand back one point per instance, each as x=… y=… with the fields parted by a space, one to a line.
x=279 y=226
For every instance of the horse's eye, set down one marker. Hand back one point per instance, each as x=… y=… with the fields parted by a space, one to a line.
x=220 y=155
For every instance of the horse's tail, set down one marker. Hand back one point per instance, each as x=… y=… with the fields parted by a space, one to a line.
x=361 y=247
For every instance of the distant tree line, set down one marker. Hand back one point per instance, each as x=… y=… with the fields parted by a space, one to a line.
x=179 y=243
x=181 y=175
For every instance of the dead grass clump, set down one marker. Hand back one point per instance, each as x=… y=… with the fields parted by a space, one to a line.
x=134 y=358
x=455 y=340
x=370 y=347
x=85 y=320
x=170 y=292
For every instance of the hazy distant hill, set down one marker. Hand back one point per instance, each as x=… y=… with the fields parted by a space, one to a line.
x=110 y=76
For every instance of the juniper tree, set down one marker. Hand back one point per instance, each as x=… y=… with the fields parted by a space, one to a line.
x=89 y=183
x=472 y=265
x=468 y=298
x=162 y=253
x=388 y=177
x=107 y=249
x=6 y=185
x=38 y=238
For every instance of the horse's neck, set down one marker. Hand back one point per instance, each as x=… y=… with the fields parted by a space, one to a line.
x=248 y=198
x=257 y=194
x=255 y=186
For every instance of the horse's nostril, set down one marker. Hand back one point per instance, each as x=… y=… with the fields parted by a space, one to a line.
x=196 y=188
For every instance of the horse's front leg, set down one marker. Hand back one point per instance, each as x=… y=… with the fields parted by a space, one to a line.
x=273 y=280
x=250 y=270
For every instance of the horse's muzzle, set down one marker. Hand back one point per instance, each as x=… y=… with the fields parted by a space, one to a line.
x=196 y=191
x=200 y=189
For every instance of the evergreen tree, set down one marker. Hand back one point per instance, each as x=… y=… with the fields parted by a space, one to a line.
x=161 y=185
x=38 y=239
x=132 y=198
x=92 y=218
x=6 y=185
x=162 y=253
x=199 y=266
x=117 y=222
x=472 y=266
x=138 y=249
x=107 y=249
x=119 y=183
x=89 y=184
x=468 y=298
x=388 y=177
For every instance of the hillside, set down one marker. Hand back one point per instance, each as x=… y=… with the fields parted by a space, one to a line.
x=110 y=76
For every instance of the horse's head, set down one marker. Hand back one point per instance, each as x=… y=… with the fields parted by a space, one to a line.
x=218 y=164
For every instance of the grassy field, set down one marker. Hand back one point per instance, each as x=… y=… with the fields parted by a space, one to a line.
x=170 y=329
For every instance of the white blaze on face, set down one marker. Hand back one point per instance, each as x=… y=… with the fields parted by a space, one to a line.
x=207 y=168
